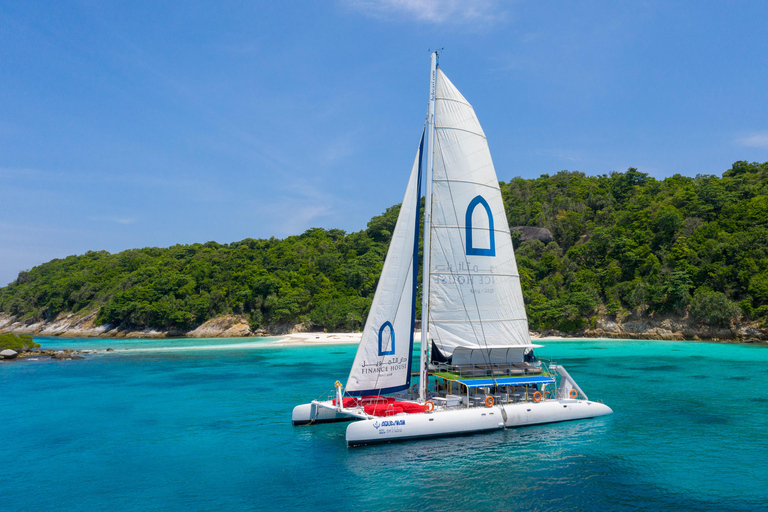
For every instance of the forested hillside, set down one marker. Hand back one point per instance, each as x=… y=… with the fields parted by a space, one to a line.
x=624 y=244
x=630 y=244
x=322 y=276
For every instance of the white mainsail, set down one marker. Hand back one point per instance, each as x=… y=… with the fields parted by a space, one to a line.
x=383 y=360
x=475 y=299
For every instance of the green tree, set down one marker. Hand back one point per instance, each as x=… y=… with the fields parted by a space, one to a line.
x=713 y=307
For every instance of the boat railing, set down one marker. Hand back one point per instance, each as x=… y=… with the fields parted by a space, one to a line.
x=555 y=371
x=490 y=369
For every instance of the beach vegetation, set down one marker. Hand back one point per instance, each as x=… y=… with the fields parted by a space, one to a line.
x=17 y=342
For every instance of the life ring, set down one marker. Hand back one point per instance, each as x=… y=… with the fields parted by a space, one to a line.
x=429 y=406
x=537 y=396
x=573 y=393
x=489 y=401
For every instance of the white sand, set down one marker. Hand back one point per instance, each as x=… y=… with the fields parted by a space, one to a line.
x=319 y=338
x=339 y=338
x=325 y=338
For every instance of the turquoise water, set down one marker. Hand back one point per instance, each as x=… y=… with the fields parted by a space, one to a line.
x=205 y=425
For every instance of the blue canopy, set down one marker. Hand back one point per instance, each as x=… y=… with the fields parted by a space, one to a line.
x=506 y=381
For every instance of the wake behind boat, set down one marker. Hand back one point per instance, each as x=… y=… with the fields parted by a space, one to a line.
x=477 y=371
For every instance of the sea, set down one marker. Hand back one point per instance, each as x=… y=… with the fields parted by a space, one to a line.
x=205 y=424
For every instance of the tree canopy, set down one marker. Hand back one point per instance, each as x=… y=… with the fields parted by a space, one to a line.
x=624 y=243
x=17 y=342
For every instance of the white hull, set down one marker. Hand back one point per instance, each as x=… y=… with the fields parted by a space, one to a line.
x=453 y=422
x=306 y=414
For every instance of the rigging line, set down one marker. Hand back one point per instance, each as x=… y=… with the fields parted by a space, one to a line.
x=448 y=226
x=449 y=273
x=484 y=320
x=466 y=260
x=482 y=136
x=446 y=98
x=469 y=182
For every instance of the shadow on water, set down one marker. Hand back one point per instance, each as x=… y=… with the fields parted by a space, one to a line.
x=614 y=375
x=703 y=418
x=656 y=368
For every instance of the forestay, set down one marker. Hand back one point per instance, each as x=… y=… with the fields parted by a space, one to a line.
x=475 y=299
x=383 y=360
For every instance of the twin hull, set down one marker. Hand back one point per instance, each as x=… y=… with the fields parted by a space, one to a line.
x=453 y=422
x=307 y=414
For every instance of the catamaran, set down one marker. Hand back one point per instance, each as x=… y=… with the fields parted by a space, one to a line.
x=477 y=368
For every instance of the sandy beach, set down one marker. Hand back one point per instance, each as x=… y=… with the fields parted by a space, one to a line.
x=338 y=338
x=325 y=338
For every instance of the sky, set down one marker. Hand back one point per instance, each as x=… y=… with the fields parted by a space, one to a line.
x=141 y=124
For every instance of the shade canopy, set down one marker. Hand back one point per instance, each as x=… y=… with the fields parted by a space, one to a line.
x=506 y=381
x=491 y=355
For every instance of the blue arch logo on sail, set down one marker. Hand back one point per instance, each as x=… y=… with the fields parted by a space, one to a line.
x=382 y=348
x=471 y=249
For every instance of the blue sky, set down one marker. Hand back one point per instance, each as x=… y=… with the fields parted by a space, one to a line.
x=134 y=124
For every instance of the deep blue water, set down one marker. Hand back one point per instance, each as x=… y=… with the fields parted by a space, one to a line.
x=205 y=425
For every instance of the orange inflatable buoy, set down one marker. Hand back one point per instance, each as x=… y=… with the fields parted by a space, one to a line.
x=573 y=393
x=429 y=406
x=537 y=396
x=489 y=401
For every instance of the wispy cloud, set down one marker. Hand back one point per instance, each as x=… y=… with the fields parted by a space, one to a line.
x=300 y=217
x=338 y=149
x=755 y=140
x=296 y=207
x=37 y=179
x=431 y=11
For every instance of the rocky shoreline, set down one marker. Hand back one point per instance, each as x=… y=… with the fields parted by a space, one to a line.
x=59 y=355
x=77 y=325
x=234 y=326
x=674 y=328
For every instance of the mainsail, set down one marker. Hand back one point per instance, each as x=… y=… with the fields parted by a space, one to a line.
x=475 y=299
x=383 y=360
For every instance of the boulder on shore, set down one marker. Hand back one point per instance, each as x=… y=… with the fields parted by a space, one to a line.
x=8 y=354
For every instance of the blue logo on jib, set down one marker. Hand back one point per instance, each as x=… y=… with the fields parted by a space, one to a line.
x=384 y=348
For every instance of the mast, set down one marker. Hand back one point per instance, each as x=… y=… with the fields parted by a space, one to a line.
x=427 y=230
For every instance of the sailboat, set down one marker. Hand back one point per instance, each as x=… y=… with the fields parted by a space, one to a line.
x=477 y=371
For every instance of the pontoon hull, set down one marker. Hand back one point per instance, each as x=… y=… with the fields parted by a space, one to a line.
x=306 y=414
x=443 y=423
